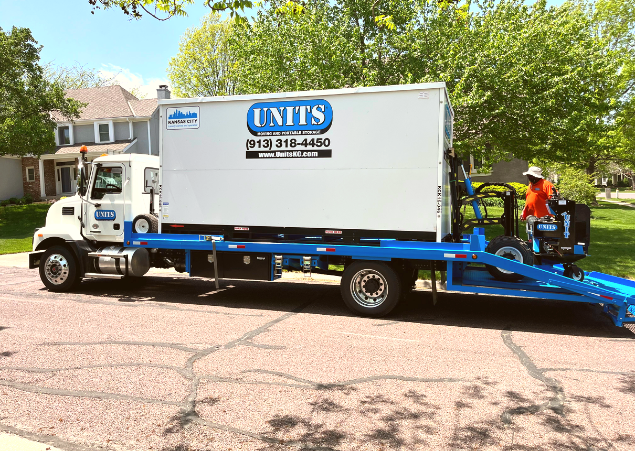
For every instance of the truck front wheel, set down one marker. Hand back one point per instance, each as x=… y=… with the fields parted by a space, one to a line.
x=370 y=288
x=58 y=269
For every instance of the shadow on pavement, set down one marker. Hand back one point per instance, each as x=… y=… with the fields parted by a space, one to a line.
x=453 y=309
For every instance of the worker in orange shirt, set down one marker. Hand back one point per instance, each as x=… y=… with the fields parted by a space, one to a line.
x=538 y=193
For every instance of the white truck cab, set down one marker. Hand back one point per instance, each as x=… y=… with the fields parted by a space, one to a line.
x=113 y=190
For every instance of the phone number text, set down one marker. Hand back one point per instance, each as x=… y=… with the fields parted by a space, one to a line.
x=287 y=143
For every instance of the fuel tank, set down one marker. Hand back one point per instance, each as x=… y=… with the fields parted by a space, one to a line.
x=138 y=261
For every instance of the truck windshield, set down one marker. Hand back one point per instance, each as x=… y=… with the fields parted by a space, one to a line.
x=107 y=181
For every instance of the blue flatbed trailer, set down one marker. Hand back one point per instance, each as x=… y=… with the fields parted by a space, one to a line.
x=465 y=262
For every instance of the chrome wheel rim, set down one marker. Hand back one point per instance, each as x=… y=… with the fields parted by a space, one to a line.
x=56 y=269
x=369 y=288
x=142 y=226
x=511 y=253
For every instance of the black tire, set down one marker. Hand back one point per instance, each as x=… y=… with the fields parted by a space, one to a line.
x=513 y=248
x=59 y=270
x=573 y=272
x=145 y=224
x=371 y=288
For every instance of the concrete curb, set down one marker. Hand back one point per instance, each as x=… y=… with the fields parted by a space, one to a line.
x=20 y=260
x=10 y=442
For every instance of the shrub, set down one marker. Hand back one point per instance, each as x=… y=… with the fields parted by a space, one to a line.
x=521 y=192
x=27 y=199
x=521 y=189
x=13 y=200
x=4 y=203
x=575 y=184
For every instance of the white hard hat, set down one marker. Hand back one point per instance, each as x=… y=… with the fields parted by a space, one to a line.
x=534 y=171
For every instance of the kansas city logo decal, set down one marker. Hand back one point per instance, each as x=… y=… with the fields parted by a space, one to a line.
x=183 y=118
x=296 y=117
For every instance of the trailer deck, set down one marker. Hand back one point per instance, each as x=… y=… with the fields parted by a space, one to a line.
x=466 y=271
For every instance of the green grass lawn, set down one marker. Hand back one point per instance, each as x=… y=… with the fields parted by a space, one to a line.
x=612 y=248
x=17 y=224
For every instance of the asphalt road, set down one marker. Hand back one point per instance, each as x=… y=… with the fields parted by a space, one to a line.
x=168 y=364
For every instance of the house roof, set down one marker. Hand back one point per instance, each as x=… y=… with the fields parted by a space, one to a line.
x=143 y=107
x=109 y=102
x=115 y=147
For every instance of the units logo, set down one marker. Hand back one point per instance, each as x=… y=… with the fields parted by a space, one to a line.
x=567 y=224
x=181 y=118
x=105 y=215
x=547 y=227
x=296 y=117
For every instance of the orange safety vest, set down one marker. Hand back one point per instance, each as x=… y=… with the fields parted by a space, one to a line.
x=537 y=196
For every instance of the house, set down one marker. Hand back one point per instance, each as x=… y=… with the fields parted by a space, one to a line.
x=113 y=121
x=502 y=172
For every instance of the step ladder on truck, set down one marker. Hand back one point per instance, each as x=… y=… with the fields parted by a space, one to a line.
x=374 y=187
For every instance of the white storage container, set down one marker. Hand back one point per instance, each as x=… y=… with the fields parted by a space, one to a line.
x=363 y=162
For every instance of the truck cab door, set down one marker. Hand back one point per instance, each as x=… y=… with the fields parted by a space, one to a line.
x=105 y=212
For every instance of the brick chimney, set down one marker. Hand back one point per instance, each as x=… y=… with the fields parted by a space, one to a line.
x=163 y=92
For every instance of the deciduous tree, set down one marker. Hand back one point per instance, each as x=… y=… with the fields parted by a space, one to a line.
x=204 y=65
x=27 y=99
x=526 y=80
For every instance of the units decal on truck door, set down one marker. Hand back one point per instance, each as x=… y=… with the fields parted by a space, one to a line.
x=105 y=215
x=286 y=122
x=183 y=117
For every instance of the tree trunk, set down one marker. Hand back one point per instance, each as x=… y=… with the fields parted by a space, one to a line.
x=590 y=170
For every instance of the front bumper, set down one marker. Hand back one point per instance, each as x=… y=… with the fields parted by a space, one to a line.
x=34 y=259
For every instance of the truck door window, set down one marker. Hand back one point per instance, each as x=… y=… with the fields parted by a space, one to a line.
x=151 y=180
x=107 y=181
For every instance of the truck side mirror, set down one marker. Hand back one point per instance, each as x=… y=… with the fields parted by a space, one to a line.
x=83 y=178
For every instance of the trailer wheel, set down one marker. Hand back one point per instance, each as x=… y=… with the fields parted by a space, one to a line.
x=370 y=288
x=145 y=224
x=574 y=272
x=58 y=269
x=509 y=247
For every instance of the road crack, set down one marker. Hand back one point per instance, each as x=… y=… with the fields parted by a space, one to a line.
x=555 y=403
x=188 y=413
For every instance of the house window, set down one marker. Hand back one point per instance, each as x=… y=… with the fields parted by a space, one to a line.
x=478 y=166
x=30 y=174
x=104 y=132
x=477 y=163
x=64 y=135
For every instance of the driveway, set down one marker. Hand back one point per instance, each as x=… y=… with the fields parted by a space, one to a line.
x=169 y=364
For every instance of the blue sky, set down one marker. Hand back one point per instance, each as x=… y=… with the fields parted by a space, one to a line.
x=137 y=52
